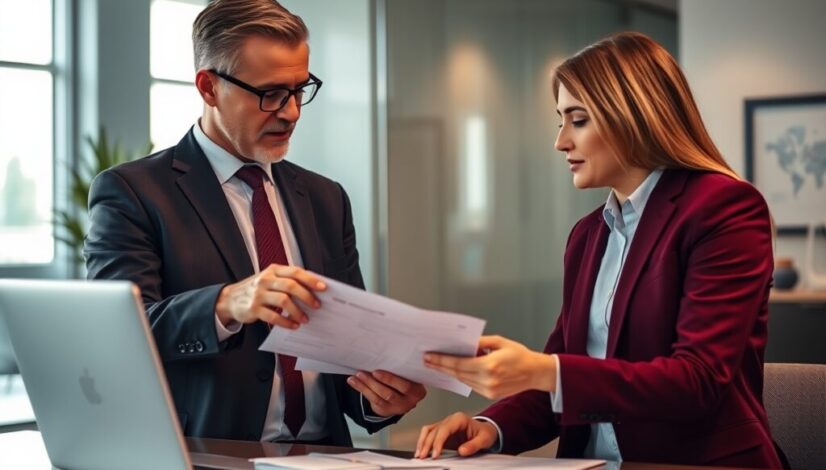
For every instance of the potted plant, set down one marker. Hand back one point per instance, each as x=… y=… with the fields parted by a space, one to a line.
x=72 y=222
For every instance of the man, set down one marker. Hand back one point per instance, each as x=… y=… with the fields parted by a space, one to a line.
x=216 y=232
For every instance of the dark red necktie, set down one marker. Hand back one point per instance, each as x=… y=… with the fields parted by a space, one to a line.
x=271 y=250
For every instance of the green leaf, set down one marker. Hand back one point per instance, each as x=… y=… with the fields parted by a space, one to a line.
x=71 y=223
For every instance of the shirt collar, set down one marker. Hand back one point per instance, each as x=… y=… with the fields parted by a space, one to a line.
x=636 y=201
x=223 y=163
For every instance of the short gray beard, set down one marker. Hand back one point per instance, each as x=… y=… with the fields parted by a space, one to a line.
x=266 y=157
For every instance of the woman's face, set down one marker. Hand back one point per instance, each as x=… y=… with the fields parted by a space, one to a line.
x=590 y=158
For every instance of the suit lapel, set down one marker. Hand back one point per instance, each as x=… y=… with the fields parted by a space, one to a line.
x=658 y=211
x=293 y=191
x=203 y=191
x=577 y=339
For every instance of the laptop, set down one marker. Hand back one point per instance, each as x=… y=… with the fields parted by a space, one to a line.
x=93 y=375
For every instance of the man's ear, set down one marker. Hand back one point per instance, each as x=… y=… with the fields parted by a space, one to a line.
x=207 y=85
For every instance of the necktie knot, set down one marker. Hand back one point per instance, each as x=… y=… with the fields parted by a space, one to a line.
x=252 y=175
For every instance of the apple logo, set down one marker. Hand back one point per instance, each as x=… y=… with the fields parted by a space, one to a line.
x=87 y=386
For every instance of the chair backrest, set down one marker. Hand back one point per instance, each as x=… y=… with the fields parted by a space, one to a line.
x=795 y=400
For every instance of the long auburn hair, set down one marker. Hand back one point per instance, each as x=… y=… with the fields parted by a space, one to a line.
x=641 y=104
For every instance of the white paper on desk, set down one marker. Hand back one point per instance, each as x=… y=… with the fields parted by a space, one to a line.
x=308 y=462
x=364 y=460
x=359 y=330
x=498 y=461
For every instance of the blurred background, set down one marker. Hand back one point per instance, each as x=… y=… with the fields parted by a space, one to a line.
x=436 y=115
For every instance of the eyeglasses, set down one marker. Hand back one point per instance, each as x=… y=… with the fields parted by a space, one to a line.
x=273 y=99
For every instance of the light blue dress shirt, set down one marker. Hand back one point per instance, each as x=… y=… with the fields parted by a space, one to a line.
x=623 y=225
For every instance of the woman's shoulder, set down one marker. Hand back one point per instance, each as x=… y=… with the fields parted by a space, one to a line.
x=714 y=182
x=715 y=188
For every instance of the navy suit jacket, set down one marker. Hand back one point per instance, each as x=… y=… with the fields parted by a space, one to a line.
x=683 y=378
x=163 y=222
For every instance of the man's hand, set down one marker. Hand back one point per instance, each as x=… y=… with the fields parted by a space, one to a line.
x=388 y=394
x=265 y=295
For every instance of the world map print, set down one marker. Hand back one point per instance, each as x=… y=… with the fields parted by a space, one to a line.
x=803 y=161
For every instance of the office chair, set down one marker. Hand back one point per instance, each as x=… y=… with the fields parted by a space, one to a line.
x=795 y=399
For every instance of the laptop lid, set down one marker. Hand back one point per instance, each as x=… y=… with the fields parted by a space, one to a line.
x=93 y=375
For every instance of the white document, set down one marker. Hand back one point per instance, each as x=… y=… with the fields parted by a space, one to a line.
x=358 y=330
x=499 y=461
x=373 y=460
x=364 y=460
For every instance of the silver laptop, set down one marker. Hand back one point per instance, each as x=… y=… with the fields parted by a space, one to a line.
x=92 y=373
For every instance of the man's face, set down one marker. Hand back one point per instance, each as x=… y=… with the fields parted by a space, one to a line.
x=243 y=129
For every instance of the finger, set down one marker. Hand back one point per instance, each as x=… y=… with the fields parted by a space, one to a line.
x=285 y=303
x=269 y=315
x=491 y=342
x=447 y=361
x=376 y=402
x=401 y=385
x=479 y=442
x=296 y=290
x=384 y=392
x=422 y=436
x=443 y=433
x=428 y=441
x=307 y=278
x=458 y=374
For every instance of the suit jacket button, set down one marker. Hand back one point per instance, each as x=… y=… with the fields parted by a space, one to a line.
x=181 y=348
x=190 y=347
x=595 y=417
x=583 y=416
x=264 y=375
x=199 y=346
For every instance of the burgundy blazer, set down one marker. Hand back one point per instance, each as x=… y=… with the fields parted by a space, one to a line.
x=683 y=379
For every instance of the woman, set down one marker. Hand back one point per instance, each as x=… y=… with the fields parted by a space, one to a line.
x=658 y=351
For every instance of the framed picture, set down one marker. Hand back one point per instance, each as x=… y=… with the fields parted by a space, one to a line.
x=786 y=158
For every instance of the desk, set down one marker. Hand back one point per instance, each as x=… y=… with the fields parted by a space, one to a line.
x=24 y=449
x=205 y=451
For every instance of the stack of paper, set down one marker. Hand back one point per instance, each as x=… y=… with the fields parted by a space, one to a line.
x=367 y=460
x=357 y=330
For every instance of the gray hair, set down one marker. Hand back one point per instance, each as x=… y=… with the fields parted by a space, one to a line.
x=220 y=29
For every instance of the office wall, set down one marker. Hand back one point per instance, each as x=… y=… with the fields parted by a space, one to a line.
x=735 y=49
x=480 y=204
x=335 y=134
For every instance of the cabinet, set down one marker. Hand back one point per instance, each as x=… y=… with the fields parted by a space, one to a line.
x=797 y=327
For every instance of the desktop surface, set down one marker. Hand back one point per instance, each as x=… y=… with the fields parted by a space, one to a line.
x=24 y=449
x=206 y=451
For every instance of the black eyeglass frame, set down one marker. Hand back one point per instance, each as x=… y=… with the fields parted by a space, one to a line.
x=262 y=93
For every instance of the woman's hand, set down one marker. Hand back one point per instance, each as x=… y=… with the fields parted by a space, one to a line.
x=457 y=430
x=507 y=368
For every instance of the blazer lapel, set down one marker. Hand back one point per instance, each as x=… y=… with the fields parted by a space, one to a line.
x=200 y=186
x=658 y=212
x=293 y=190
x=577 y=338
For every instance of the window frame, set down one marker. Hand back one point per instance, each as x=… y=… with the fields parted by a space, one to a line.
x=153 y=80
x=60 y=68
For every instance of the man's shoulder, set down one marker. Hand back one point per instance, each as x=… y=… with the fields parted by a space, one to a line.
x=149 y=164
x=310 y=177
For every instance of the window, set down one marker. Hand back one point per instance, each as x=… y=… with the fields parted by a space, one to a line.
x=27 y=91
x=174 y=104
